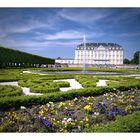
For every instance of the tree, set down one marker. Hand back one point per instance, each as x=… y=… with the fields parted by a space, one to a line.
x=135 y=59
x=126 y=61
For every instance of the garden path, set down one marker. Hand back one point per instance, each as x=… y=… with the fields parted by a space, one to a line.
x=25 y=89
x=101 y=83
x=73 y=84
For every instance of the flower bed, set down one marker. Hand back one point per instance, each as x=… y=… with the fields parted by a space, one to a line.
x=75 y=115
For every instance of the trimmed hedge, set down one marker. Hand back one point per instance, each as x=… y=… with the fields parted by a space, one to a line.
x=6 y=90
x=129 y=123
x=60 y=96
x=63 y=84
x=45 y=90
x=8 y=58
x=42 y=86
x=86 y=81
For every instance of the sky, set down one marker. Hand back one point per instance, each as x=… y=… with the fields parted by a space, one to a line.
x=55 y=32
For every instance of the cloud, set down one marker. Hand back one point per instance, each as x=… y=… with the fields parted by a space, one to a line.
x=84 y=15
x=22 y=22
x=68 y=35
x=129 y=34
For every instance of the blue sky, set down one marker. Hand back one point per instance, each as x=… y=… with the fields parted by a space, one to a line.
x=55 y=32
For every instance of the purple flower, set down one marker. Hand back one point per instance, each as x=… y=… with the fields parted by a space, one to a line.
x=105 y=105
x=114 y=108
x=110 y=113
x=99 y=105
x=45 y=123
x=37 y=118
x=135 y=99
x=1 y=121
x=122 y=113
x=138 y=108
x=37 y=110
x=69 y=113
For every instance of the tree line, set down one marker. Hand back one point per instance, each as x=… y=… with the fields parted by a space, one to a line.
x=16 y=58
x=134 y=60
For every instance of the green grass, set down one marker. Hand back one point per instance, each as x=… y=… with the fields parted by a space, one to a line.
x=129 y=123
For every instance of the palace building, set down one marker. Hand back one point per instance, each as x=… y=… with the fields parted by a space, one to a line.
x=96 y=54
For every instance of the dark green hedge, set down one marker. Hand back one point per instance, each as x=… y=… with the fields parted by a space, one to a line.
x=8 y=58
x=129 y=123
x=8 y=102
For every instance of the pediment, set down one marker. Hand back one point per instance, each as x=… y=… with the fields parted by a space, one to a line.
x=101 y=47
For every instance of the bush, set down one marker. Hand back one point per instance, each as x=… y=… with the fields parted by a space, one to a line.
x=129 y=123
x=6 y=90
x=63 y=84
x=44 y=89
x=56 y=96
x=86 y=81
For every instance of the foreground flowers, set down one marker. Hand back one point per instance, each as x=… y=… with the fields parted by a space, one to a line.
x=71 y=116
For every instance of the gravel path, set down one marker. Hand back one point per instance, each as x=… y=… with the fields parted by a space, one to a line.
x=73 y=84
x=101 y=83
x=25 y=89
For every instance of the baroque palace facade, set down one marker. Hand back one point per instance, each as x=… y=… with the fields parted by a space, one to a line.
x=96 y=54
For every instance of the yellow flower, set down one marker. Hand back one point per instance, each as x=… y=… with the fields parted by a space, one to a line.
x=41 y=112
x=86 y=119
x=61 y=104
x=53 y=119
x=107 y=98
x=79 y=126
x=70 y=104
x=114 y=104
x=65 y=123
x=128 y=109
x=88 y=98
x=87 y=108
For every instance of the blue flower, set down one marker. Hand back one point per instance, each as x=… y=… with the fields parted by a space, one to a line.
x=1 y=121
x=112 y=113
x=138 y=108
x=99 y=105
x=115 y=109
x=37 y=110
x=122 y=113
x=45 y=123
x=69 y=113
x=105 y=105
x=135 y=100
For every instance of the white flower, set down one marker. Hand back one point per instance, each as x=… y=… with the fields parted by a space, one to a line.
x=75 y=99
x=69 y=119
x=96 y=113
x=22 y=107
x=64 y=119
